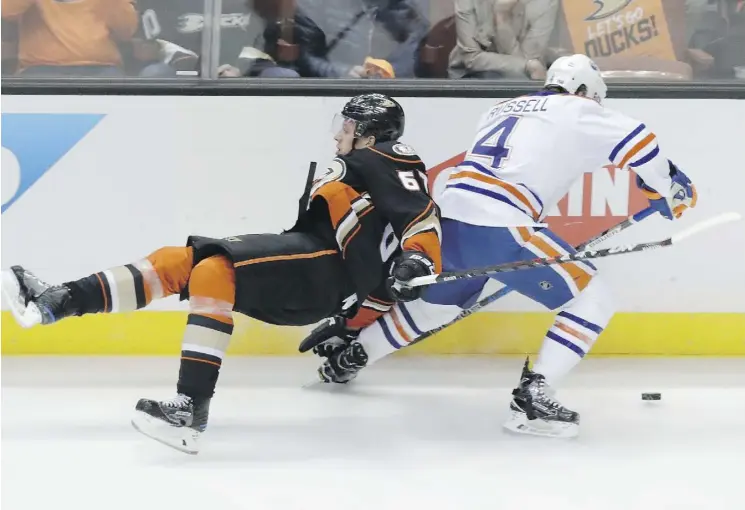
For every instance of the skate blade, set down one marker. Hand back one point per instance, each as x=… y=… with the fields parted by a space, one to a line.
x=520 y=424
x=183 y=439
x=25 y=316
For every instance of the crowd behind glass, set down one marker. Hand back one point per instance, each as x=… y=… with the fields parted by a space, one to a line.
x=679 y=40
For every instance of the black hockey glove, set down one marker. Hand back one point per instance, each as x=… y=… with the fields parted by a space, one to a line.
x=411 y=264
x=329 y=336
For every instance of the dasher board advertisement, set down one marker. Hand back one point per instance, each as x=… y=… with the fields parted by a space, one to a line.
x=92 y=182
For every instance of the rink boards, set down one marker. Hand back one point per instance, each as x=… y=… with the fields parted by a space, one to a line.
x=137 y=173
x=159 y=333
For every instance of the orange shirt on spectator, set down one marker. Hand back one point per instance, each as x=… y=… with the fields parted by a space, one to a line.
x=71 y=32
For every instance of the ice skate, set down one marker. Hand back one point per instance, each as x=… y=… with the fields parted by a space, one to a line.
x=534 y=411
x=178 y=422
x=33 y=301
x=343 y=364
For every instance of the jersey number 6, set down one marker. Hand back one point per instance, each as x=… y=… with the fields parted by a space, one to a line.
x=411 y=180
x=492 y=148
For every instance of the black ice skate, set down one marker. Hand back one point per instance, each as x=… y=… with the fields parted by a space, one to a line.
x=343 y=364
x=33 y=301
x=177 y=422
x=534 y=411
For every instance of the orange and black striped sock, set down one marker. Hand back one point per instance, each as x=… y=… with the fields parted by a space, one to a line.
x=209 y=326
x=133 y=286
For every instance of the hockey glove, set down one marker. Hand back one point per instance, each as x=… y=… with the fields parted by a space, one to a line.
x=411 y=264
x=681 y=196
x=329 y=336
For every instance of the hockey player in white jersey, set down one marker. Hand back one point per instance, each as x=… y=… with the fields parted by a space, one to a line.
x=525 y=156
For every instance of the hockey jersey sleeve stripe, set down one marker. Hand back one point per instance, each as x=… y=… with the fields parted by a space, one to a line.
x=423 y=234
x=380 y=301
x=647 y=140
x=533 y=210
x=368 y=303
x=416 y=220
x=646 y=159
x=349 y=228
x=348 y=238
x=364 y=317
x=429 y=224
x=625 y=141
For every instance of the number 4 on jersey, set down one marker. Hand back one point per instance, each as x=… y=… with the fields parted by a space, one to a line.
x=492 y=148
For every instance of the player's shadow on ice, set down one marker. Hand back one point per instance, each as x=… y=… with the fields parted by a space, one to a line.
x=404 y=425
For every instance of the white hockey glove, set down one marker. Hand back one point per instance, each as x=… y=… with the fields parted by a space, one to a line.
x=681 y=196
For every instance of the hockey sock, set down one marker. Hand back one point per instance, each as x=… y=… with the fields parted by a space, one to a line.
x=402 y=325
x=209 y=326
x=574 y=332
x=133 y=286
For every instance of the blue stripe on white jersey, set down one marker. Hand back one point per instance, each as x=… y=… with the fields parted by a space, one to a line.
x=477 y=166
x=623 y=143
x=646 y=159
x=637 y=149
x=484 y=183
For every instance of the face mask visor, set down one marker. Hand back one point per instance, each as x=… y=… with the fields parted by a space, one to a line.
x=343 y=124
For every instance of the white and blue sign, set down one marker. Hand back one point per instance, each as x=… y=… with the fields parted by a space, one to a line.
x=32 y=143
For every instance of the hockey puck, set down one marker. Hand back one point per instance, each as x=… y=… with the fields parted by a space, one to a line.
x=651 y=396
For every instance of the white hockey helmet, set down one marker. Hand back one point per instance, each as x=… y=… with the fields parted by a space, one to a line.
x=570 y=73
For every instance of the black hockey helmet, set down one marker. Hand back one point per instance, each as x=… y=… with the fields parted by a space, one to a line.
x=375 y=115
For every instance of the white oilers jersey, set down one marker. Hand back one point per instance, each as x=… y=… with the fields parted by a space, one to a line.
x=529 y=151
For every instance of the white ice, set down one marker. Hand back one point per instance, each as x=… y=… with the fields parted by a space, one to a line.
x=409 y=434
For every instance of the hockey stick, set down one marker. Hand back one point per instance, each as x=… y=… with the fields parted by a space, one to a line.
x=579 y=256
x=309 y=342
x=303 y=202
x=482 y=303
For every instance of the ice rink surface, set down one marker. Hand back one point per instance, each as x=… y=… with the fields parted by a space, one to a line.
x=409 y=434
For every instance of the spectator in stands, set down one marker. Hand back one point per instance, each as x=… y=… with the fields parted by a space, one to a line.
x=257 y=54
x=718 y=28
x=359 y=38
x=71 y=38
x=502 y=38
x=175 y=28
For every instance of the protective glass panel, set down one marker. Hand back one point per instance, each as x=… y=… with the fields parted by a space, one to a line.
x=102 y=39
x=646 y=41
